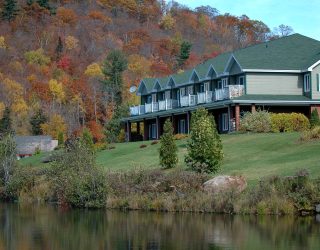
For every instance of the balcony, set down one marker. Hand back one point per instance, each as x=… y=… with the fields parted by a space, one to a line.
x=168 y=104
x=188 y=100
x=229 y=92
x=204 y=97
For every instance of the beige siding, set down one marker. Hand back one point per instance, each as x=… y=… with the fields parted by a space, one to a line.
x=274 y=84
x=314 y=82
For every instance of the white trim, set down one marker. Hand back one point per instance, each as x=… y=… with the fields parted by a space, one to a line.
x=211 y=68
x=228 y=65
x=307 y=83
x=313 y=65
x=238 y=80
x=154 y=86
x=272 y=71
x=276 y=102
x=167 y=84
x=194 y=72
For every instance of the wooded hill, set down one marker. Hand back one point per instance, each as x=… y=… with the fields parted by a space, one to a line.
x=68 y=64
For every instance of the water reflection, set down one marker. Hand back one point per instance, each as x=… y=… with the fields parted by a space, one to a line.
x=45 y=227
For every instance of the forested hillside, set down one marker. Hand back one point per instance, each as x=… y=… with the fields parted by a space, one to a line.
x=69 y=64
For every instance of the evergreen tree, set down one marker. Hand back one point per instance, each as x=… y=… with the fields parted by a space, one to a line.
x=113 y=127
x=60 y=140
x=205 y=148
x=59 y=49
x=36 y=120
x=87 y=140
x=185 y=49
x=314 y=120
x=7 y=158
x=168 y=148
x=113 y=67
x=44 y=4
x=5 y=122
x=9 y=10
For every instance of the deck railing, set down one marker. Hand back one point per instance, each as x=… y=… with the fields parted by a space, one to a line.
x=204 y=97
x=188 y=100
x=229 y=92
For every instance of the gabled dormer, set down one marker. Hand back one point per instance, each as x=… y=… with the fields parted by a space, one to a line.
x=212 y=73
x=233 y=67
x=194 y=77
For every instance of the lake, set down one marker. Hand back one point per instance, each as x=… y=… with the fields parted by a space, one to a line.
x=48 y=227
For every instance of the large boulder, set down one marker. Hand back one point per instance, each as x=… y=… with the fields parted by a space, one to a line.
x=225 y=183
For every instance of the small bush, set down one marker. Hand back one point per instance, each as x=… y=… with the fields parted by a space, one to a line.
x=154 y=142
x=180 y=136
x=284 y=122
x=258 y=122
x=312 y=134
x=143 y=146
x=100 y=146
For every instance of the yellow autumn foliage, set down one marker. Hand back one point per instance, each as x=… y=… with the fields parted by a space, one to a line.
x=55 y=126
x=57 y=91
x=139 y=65
x=2 y=107
x=3 y=44
x=93 y=70
x=19 y=107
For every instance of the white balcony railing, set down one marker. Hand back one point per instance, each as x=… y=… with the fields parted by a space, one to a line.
x=188 y=100
x=137 y=110
x=168 y=104
x=152 y=107
x=204 y=97
x=221 y=94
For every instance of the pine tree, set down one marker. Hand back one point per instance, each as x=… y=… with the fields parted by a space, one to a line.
x=44 y=4
x=5 y=122
x=113 y=67
x=168 y=149
x=185 y=49
x=59 y=49
x=205 y=148
x=314 y=120
x=36 y=120
x=9 y=10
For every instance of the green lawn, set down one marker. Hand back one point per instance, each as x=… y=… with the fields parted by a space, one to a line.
x=252 y=155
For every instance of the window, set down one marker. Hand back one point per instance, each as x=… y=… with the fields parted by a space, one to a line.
x=201 y=88
x=167 y=94
x=241 y=80
x=318 y=82
x=225 y=122
x=206 y=86
x=154 y=97
x=307 y=83
x=149 y=99
x=182 y=91
x=220 y=84
x=224 y=82
x=190 y=90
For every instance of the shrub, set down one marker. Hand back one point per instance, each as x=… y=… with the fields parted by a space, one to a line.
x=314 y=120
x=100 y=146
x=204 y=148
x=168 y=149
x=284 y=122
x=143 y=146
x=180 y=136
x=75 y=178
x=258 y=122
x=312 y=134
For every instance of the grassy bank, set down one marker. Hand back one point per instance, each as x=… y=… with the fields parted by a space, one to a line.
x=251 y=155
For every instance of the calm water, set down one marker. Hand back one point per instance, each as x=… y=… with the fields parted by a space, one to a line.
x=45 y=227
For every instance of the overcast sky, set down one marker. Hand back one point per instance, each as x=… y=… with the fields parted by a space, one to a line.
x=302 y=15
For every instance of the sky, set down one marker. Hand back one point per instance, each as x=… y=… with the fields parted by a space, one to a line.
x=302 y=15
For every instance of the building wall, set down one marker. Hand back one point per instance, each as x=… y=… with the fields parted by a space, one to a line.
x=314 y=83
x=274 y=84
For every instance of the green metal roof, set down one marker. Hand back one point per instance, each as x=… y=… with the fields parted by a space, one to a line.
x=294 y=52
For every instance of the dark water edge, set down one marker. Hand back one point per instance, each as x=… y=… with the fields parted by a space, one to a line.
x=25 y=226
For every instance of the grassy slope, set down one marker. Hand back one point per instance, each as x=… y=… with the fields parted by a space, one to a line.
x=253 y=155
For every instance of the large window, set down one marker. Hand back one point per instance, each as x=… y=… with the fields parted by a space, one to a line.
x=153 y=131
x=190 y=90
x=154 y=97
x=307 y=83
x=182 y=126
x=224 y=82
x=241 y=80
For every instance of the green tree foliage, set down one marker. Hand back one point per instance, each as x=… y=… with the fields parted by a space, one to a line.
x=185 y=49
x=87 y=140
x=314 y=120
x=36 y=120
x=204 y=148
x=113 y=127
x=37 y=57
x=76 y=179
x=9 y=10
x=168 y=149
x=113 y=67
x=7 y=158
x=5 y=122
x=60 y=139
